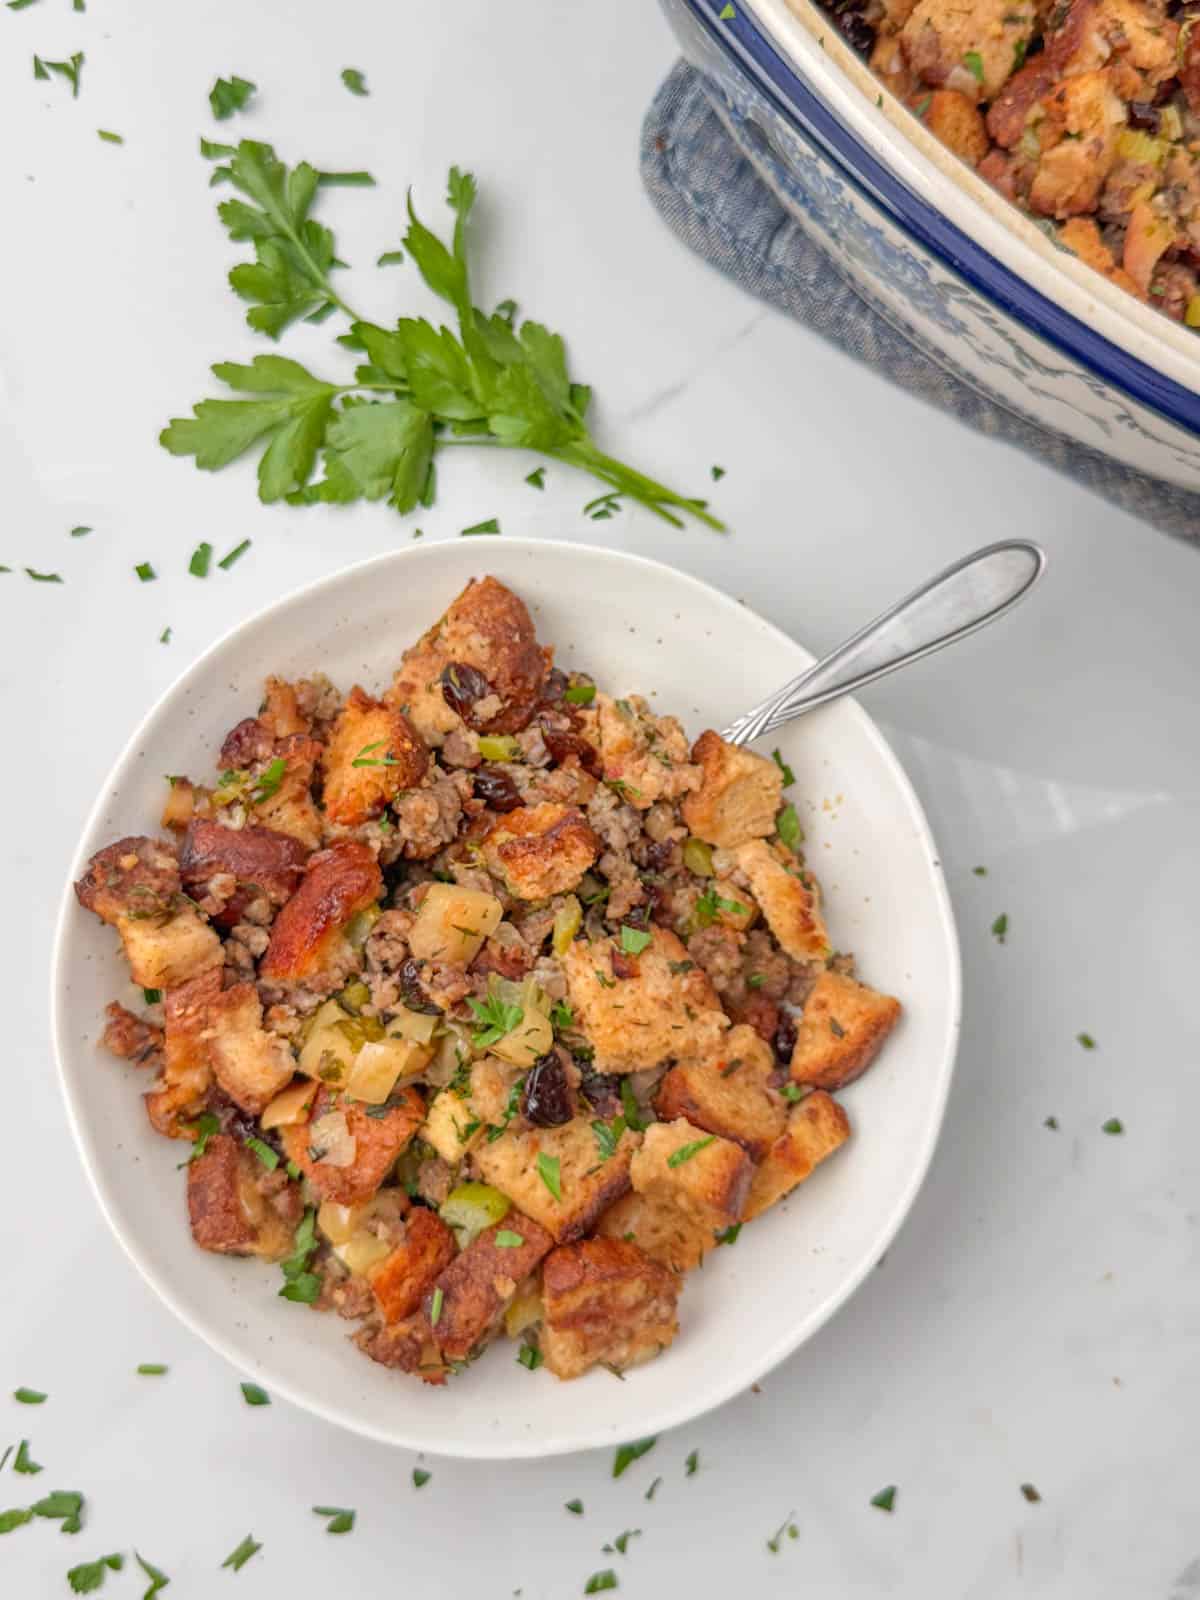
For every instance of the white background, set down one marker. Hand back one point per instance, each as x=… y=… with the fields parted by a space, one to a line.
x=1038 y=1318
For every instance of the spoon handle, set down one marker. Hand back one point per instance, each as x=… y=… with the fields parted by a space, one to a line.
x=965 y=596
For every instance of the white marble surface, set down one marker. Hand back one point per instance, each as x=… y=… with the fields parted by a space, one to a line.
x=1037 y=1319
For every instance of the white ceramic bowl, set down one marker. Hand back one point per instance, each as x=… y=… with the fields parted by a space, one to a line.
x=637 y=626
x=935 y=249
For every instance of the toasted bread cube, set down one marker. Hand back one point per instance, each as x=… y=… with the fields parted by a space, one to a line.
x=457 y=1122
x=699 y=1174
x=290 y=808
x=489 y=629
x=786 y=894
x=452 y=923
x=841 y=1032
x=515 y=1164
x=605 y=1301
x=228 y=1212
x=667 y=1011
x=731 y=1095
x=815 y=1129
x=309 y=933
x=466 y=1304
x=250 y=1064
x=373 y=753
x=262 y=860
x=129 y=1038
x=675 y=1238
x=399 y=1281
x=180 y=1093
x=378 y=1140
x=539 y=851
x=954 y=118
x=643 y=755
x=738 y=796
x=134 y=886
x=406 y=1346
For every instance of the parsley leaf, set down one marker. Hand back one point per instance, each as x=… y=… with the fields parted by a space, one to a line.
x=885 y=1500
x=497 y=1016
x=492 y=525
x=787 y=826
x=789 y=777
x=16 y=1518
x=90 y=1575
x=300 y=1284
x=205 y=1126
x=600 y=1581
x=621 y=1542
x=65 y=1505
x=630 y=1109
x=254 y=1396
x=420 y=1477
x=24 y=1462
x=108 y=136
x=580 y=694
x=548 y=1172
x=158 y=1579
x=529 y=1357
x=201 y=556
x=507 y=1240
x=228 y=95
x=29 y=1397
x=1086 y=1040
x=1113 y=1125
x=710 y=903
x=629 y=1453
x=575 y=1507
x=608 y=1136
x=729 y=1235
x=634 y=940
x=1000 y=928
x=238 y=1558
x=354 y=80
x=341 y=1519
x=687 y=1151
x=973 y=62
x=70 y=70
x=692 y=1464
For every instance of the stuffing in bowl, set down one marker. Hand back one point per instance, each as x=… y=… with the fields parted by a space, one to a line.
x=487 y=1006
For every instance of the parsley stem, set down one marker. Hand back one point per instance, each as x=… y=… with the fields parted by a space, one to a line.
x=654 y=496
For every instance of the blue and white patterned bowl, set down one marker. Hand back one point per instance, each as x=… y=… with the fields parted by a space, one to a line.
x=935 y=249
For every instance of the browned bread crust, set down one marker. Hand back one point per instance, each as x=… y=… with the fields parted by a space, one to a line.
x=841 y=1032
x=367 y=731
x=605 y=1302
x=338 y=883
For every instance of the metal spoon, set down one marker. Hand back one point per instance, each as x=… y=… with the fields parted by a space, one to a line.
x=965 y=596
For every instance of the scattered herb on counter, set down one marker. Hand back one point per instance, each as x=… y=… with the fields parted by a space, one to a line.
x=1000 y=928
x=652 y=1490
x=1113 y=1125
x=238 y=1558
x=885 y=1500
x=787 y=826
x=228 y=95
x=43 y=577
x=390 y=258
x=1086 y=1040
x=629 y=1453
x=236 y=554
x=530 y=1357
x=548 y=1172
x=786 y=1529
x=600 y=1581
x=158 y=1579
x=80 y=532
x=70 y=70
x=201 y=556
x=145 y=572
x=108 y=136
x=420 y=1477
x=492 y=525
x=30 y=1397
x=354 y=80
x=537 y=478
x=1051 y=1122
x=692 y=1464
x=717 y=473
x=151 y=1369
x=24 y=1462
x=729 y=1235
x=634 y=940
x=435 y=1306
x=90 y=1575
x=789 y=777
x=4 y=1458
x=165 y=636
x=687 y=1151
x=251 y=1393
x=575 y=1507
x=62 y=1505
x=341 y=1518
x=17 y=1518
x=980 y=872
x=1030 y=1493
x=603 y=507
x=18 y=5
x=420 y=391
x=621 y=1543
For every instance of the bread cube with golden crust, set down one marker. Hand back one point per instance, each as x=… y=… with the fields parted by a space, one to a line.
x=229 y=1213
x=730 y=1095
x=784 y=892
x=425 y=1249
x=676 y=1238
x=605 y=1302
x=308 y=936
x=378 y=1140
x=487 y=629
x=180 y=1093
x=841 y=1032
x=466 y=1304
x=373 y=752
x=666 y=1011
x=527 y=1167
x=261 y=861
x=406 y=1346
x=539 y=851
x=130 y=1038
x=250 y=1064
x=738 y=796
x=134 y=886
x=289 y=807
x=700 y=1174
x=645 y=757
x=815 y=1129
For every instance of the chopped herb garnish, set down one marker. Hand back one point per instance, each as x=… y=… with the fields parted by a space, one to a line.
x=109 y=137
x=608 y=1136
x=354 y=80
x=600 y=1581
x=786 y=1527
x=629 y=1453
x=204 y=1127
x=158 y=1579
x=923 y=104
x=1086 y=1041
x=90 y=1575
x=692 y=1464
x=793 y=1092
x=435 y=1307
x=145 y=572
x=630 y=1109
x=687 y=1151
x=201 y=556
x=561 y=1015
x=420 y=1477
x=228 y=95
x=301 y=1284
x=254 y=1396
x=885 y=1500
x=1000 y=927
x=498 y=1018
x=652 y=1490
x=634 y=940
x=729 y=1235
x=65 y=1505
x=364 y=758
x=165 y=636
x=263 y=1151
x=980 y=872
x=549 y=1174
x=393 y=258
x=1113 y=1125
x=621 y=1543
x=1030 y=1493
x=25 y=1462
x=602 y=508
x=14 y=1519
x=151 y=1369
x=151 y=996
x=81 y=532
x=789 y=777
x=756 y=980
x=342 y=180
x=717 y=473
x=238 y=1558
x=710 y=903
x=507 y=1240
x=537 y=478
x=529 y=1357
x=787 y=826
x=29 y=1397
x=341 y=1518
x=43 y=577
x=1051 y=1122
x=70 y=70
x=490 y=526
x=580 y=694
x=973 y=62
x=575 y=1507
x=238 y=551
x=268 y=781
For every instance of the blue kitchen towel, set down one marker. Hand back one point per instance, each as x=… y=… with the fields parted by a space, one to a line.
x=715 y=201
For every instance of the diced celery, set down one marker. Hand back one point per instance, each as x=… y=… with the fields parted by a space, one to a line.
x=355 y=996
x=697 y=858
x=471 y=1208
x=498 y=747
x=567 y=920
x=359 y=927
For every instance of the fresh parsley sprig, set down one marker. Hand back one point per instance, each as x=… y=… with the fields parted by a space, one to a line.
x=421 y=390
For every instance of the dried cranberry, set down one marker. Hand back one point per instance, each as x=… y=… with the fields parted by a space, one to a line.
x=562 y=746
x=555 y=686
x=657 y=856
x=637 y=916
x=601 y=1090
x=413 y=990
x=462 y=686
x=622 y=965
x=495 y=788
x=785 y=1036
x=1143 y=114
x=857 y=31
x=546 y=1099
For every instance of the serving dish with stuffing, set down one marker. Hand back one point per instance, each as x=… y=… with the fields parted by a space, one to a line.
x=482 y=1005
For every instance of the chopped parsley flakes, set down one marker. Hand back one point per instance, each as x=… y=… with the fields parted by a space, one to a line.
x=885 y=1500
x=341 y=1519
x=254 y=1396
x=548 y=1172
x=627 y=1454
x=238 y=1558
x=687 y=1151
